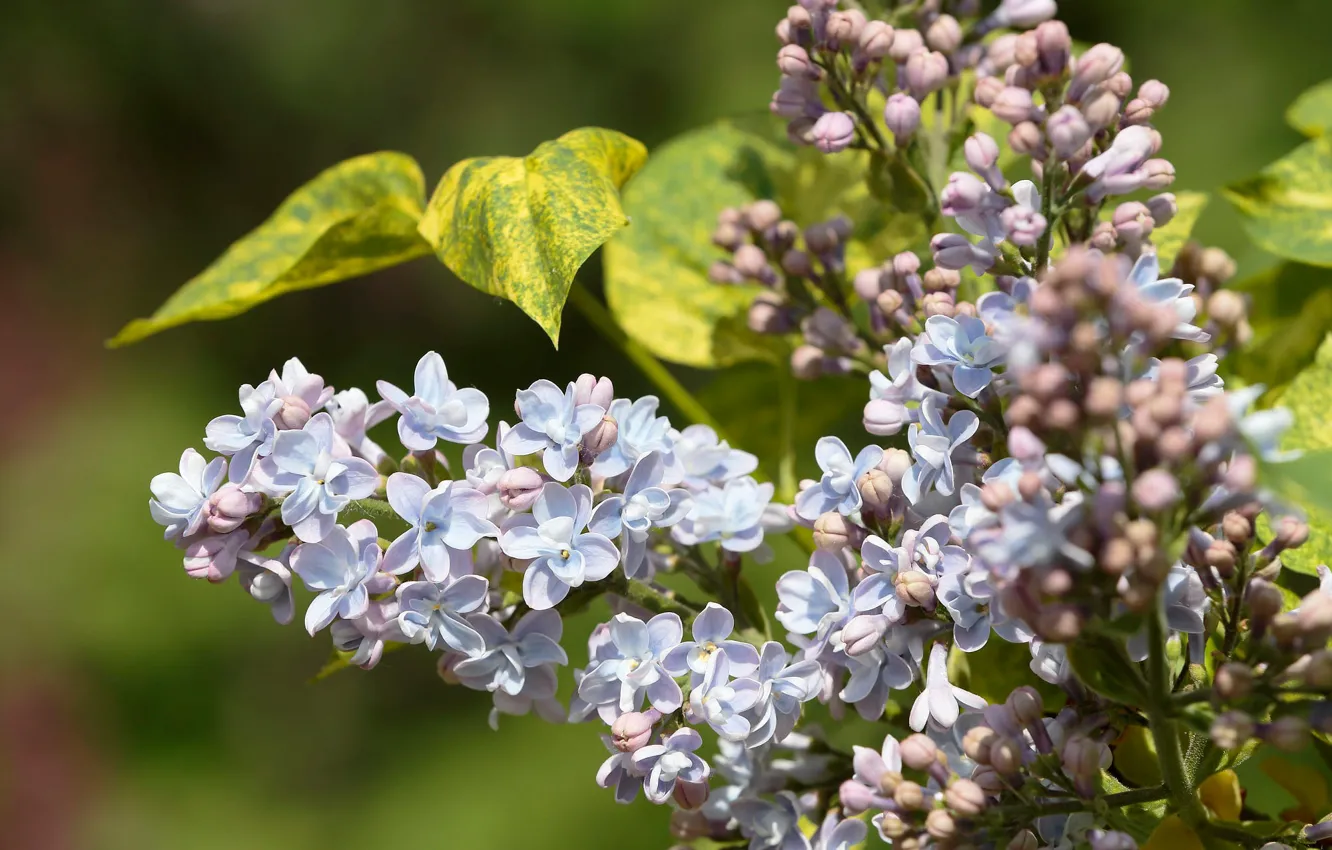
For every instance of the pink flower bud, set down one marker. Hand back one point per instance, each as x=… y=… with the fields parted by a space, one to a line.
x=1101 y=108
x=793 y=60
x=834 y=131
x=918 y=752
x=293 y=415
x=229 y=507
x=1027 y=705
x=1156 y=490
x=965 y=797
x=1067 y=131
x=982 y=155
x=869 y=283
x=1013 y=105
x=752 y=263
x=1053 y=44
x=796 y=98
x=834 y=532
x=1023 y=226
x=876 y=491
x=1026 y=139
x=602 y=436
x=690 y=795
x=806 y=362
x=863 y=633
x=769 y=315
x=632 y=730
x=876 y=40
x=1154 y=93
x=905 y=43
x=724 y=273
x=589 y=389
x=987 y=90
x=896 y=462
x=944 y=35
x=1157 y=174
x=519 y=488
x=882 y=417
x=926 y=73
x=1098 y=64
x=843 y=28
x=1133 y=221
x=963 y=194
x=1162 y=208
x=1022 y=14
x=955 y=251
x=915 y=588
x=902 y=116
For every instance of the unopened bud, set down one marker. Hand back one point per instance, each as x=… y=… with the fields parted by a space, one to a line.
x=896 y=462
x=944 y=35
x=834 y=532
x=632 y=730
x=1287 y=733
x=589 y=389
x=918 y=752
x=1290 y=533
x=876 y=491
x=976 y=743
x=987 y=91
x=1026 y=703
x=1026 y=839
x=889 y=301
x=1156 y=490
x=1233 y=681
x=1226 y=308
x=520 y=487
x=1098 y=64
x=905 y=43
x=834 y=131
x=914 y=588
x=602 y=436
x=1026 y=139
x=876 y=40
x=1005 y=756
x=909 y=795
x=1067 y=131
x=762 y=214
x=855 y=798
x=926 y=72
x=1100 y=107
x=690 y=795
x=794 y=61
x=1157 y=174
x=229 y=507
x=1231 y=730
x=1318 y=670
x=940 y=825
x=863 y=633
x=965 y=797
x=293 y=415
x=844 y=28
x=1013 y=105
x=1264 y=599
x=806 y=362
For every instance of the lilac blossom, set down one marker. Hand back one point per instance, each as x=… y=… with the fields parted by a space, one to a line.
x=939 y=700
x=366 y=636
x=1185 y=603
x=816 y=600
x=674 y=759
x=633 y=667
x=922 y=550
x=180 y=501
x=1034 y=533
x=932 y=446
x=966 y=593
x=537 y=694
x=837 y=488
x=444 y=524
x=1202 y=381
x=619 y=772
x=876 y=672
x=962 y=345
x=562 y=555
x=339 y=568
x=640 y=431
x=869 y=765
x=437 y=409
x=353 y=415
x=508 y=658
x=248 y=437
x=317 y=484
x=783 y=687
x=432 y=612
x=302 y=394
x=268 y=580
x=643 y=506
x=706 y=461
x=712 y=629
x=721 y=701
x=733 y=514
x=771 y=824
x=483 y=466
x=895 y=398
x=553 y=424
x=1169 y=291
x=837 y=834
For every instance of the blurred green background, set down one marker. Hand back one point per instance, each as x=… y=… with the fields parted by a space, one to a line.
x=139 y=709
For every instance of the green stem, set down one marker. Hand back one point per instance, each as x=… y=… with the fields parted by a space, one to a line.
x=1164 y=730
x=651 y=367
x=1047 y=210
x=646 y=597
x=1114 y=801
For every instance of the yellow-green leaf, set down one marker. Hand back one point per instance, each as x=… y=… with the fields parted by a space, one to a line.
x=1171 y=238
x=1307 y=785
x=1287 y=208
x=1307 y=482
x=1136 y=758
x=1311 y=113
x=1290 y=312
x=520 y=227
x=1220 y=792
x=1173 y=834
x=354 y=218
x=657 y=271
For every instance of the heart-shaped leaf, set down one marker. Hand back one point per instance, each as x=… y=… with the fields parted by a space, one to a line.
x=354 y=218
x=520 y=227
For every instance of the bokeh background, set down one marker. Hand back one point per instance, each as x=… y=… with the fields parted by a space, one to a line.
x=139 y=709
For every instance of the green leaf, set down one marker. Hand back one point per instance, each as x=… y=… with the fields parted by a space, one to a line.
x=1290 y=312
x=1103 y=665
x=1171 y=238
x=355 y=218
x=1311 y=113
x=1307 y=482
x=1287 y=209
x=657 y=271
x=520 y=227
x=996 y=669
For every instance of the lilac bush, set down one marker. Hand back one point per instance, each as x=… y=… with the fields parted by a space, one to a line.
x=1074 y=530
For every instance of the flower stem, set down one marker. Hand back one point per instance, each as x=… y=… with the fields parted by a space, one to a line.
x=786 y=466
x=1047 y=211
x=675 y=392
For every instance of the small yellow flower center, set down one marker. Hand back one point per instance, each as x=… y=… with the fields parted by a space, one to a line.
x=564 y=553
x=430 y=526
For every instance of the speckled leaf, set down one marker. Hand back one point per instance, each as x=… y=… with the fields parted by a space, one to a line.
x=1308 y=481
x=1287 y=208
x=656 y=271
x=1290 y=311
x=520 y=227
x=357 y=217
x=1311 y=113
x=1171 y=238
